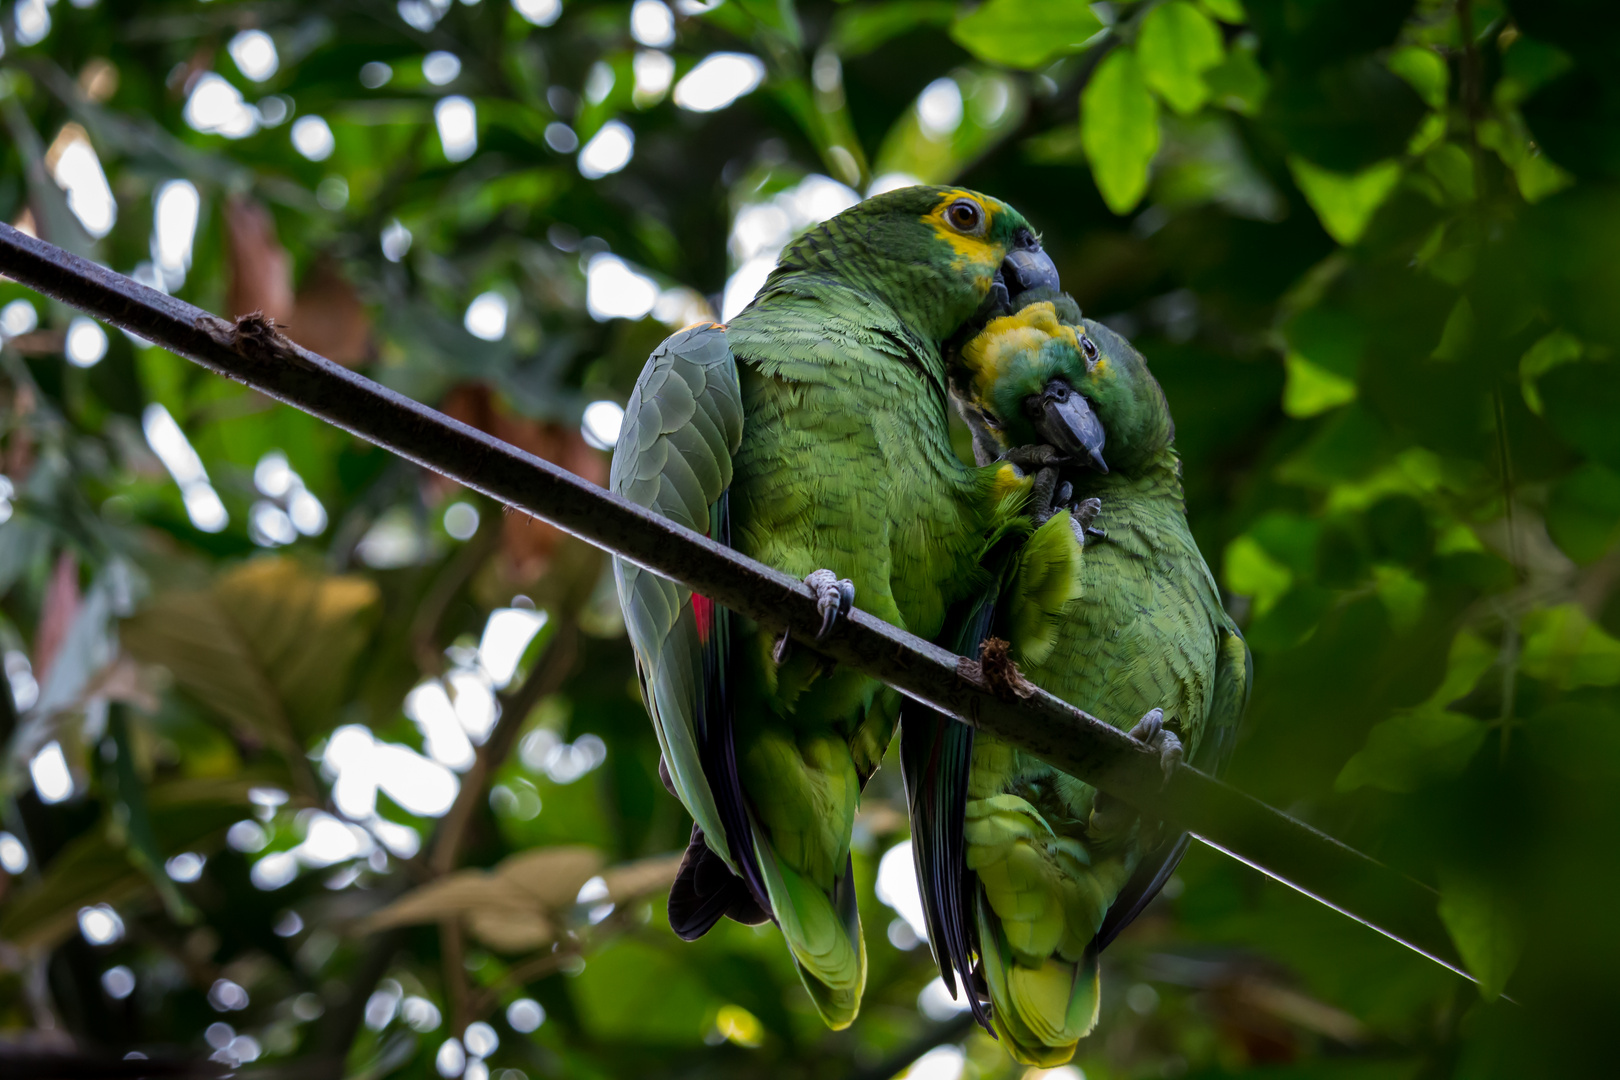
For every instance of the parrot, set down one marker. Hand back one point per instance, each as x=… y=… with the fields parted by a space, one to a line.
x=812 y=432
x=1029 y=869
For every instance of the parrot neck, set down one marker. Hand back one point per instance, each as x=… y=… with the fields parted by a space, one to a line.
x=1157 y=478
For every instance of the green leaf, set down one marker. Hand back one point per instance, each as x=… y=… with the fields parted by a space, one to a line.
x=1485 y=925
x=1564 y=647
x=1425 y=71
x=1119 y=130
x=1238 y=82
x=1251 y=571
x=1345 y=203
x=1025 y=33
x=1553 y=350
x=269 y=647
x=1228 y=11
x=1312 y=389
x=1177 y=44
x=1404 y=752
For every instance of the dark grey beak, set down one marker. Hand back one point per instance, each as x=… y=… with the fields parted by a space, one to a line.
x=1028 y=268
x=1064 y=421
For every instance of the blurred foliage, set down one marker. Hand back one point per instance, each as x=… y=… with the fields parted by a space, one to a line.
x=1369 y=248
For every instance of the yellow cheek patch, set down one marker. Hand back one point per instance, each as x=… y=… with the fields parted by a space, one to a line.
x=1001 y=343
x=972 y=253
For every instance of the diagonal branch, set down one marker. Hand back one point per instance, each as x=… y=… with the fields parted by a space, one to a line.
x=252 y=352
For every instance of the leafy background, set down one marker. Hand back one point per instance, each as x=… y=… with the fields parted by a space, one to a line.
x=1369 y=248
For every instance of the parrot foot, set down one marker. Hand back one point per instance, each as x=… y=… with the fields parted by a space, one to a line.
x=1043 y=498
x=1151 y=733
x=1033 y=457
x=835 y=597
x=1080 y=520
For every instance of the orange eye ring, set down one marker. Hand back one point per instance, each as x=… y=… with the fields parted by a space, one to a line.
x=965 y=216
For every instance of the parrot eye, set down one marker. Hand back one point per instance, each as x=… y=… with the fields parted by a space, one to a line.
x=1088 y=347
x=964 y=216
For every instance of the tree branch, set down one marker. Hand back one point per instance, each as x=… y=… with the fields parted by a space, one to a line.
x=253 y=353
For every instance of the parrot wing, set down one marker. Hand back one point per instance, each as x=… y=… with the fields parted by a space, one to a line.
x=1027 y=601
x=1234 y=674
x=683 y=423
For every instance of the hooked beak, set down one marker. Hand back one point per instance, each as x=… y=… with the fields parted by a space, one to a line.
x=1022 y=270
x=1028 y=268
x=1064 y=420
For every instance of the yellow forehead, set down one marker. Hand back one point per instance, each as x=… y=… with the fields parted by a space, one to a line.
x=1003 y=341
x=975 y=252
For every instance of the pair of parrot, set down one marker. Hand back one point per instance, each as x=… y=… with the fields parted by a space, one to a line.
x=812 y=433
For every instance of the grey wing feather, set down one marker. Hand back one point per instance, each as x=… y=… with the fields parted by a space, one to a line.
x=683 y=423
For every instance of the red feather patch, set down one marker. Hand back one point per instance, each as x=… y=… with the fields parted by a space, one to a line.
x=703 y=614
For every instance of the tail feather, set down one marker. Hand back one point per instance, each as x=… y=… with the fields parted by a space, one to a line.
x=1041 y=1012
x=824 y=934
x=705 y=891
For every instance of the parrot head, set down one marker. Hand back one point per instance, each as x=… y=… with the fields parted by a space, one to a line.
x=943 y=258
x=1045 y=374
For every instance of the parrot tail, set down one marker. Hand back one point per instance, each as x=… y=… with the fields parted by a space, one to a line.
x=1041 y=898
x=1042 y=1012
x=705 y=891
x=823 y=931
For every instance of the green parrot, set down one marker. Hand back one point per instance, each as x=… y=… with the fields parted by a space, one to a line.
x=1029 y=869
x=812 y=432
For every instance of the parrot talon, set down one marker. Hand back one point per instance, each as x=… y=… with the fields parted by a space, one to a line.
x=1151 y=732
x=834 y=597
x=1081 y=517
x=1042 y=498
x=1034 y=456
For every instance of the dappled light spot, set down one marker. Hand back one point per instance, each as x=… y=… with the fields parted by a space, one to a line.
x=440 y=67
x=601 y=424
x=85 y=343
x=255 y=54
x=100 y=925
x=486 y=316
x=77 y=170
x=313 y=138
x=172 y=447
x=652 y=24
x=48 y=768
x=118 y=982
x=718 y=80
x=538 y=12
x=13 y=856
x=215 y=107
x=609 y=150
x=940 y=1063
x=525 y=1015
x=175 y=207
x=185 y=867
x=615 y=291
x=939 y=108
x=897 y=887
x=457 y=123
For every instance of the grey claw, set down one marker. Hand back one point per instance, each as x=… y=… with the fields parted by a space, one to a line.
x=1065 y=492
x=1151 y=733
x=1038 y=455
x=834 y=597
x=1081 y=517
